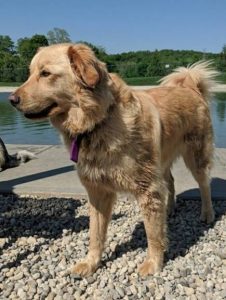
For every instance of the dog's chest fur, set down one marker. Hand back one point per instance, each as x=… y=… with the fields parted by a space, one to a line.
x=106 y=162
x=116 y=161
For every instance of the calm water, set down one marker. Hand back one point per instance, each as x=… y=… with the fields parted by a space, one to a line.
x=15 y=129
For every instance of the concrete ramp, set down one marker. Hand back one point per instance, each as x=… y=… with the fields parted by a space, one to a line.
x=52 y=173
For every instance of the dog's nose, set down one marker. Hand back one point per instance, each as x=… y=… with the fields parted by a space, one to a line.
x=14 y=99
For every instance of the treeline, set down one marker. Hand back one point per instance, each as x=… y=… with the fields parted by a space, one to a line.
x=15 y=57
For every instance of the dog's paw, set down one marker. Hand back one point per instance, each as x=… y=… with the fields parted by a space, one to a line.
x=149 y=267
x=207 y=216
x=84 y=268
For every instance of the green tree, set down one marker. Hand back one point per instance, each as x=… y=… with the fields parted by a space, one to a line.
x=8 y=67
x=58 y=35
x=27 y=47
x=7 y=59
x=98 y=50
x=155 y=68
x=128 y=70
x=6 y=44
x=224 y=51
x=142 y=69
x=222 y=61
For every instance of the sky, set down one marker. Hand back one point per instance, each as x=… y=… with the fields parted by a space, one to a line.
x=122 y=25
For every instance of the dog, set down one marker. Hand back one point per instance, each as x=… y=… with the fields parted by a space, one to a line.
x=124 y=140
x=14 y=160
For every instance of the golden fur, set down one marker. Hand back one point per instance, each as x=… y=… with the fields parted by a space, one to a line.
x=130 y=138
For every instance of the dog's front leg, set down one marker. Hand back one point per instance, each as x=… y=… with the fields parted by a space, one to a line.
x=101 y=204
x=153 y=208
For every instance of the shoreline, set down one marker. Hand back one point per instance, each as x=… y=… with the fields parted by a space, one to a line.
x=220 y=88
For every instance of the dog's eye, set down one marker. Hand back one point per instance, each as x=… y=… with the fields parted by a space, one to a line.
x=44 y=73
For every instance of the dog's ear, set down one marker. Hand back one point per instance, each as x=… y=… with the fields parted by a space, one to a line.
x=85 y=64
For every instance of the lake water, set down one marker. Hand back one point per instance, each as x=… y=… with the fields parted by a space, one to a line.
x=16 y=129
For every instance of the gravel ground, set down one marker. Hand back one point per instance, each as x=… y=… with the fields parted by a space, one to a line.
x=40 y=239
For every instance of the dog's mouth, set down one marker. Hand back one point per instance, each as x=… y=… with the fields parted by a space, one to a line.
x=41 y=114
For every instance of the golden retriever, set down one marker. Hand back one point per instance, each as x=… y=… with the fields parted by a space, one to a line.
x=127 y=139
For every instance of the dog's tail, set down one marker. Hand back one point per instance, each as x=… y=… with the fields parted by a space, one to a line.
x=200 y=76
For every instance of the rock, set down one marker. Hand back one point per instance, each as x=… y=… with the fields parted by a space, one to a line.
x=133 y=289
x=189 y=291
x=102 y=284
x=51 y=296
x=21 y=294
x=223 y=294
x=31 y=240
x=36 y=276
x=120 y=291
x=90 y=279
x=193 y=270
x=3 y=241
x=18 y=276
x=10 y=273
x=68 y=296
x=77 y=295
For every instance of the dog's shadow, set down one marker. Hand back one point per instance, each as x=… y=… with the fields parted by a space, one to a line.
x=39 y=218
x=184 y=227
x=46 y=218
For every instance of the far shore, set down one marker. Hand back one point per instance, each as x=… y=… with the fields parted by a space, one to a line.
x=220 y=88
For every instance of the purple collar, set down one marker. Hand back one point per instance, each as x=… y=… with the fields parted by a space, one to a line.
x=74 y=150
x=75 y=145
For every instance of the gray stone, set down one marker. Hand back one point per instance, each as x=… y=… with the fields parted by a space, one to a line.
x=21 y=293
x=8 y=292
x=18 y=276
x=189 y=291
x=42 y=275
x=68 y=296
x=90 y=279
x=121 y=291
x=133 y=289
x=223 y=294
x=115 y=295
x=36 y=276
x=10 y=273
x=102 y=283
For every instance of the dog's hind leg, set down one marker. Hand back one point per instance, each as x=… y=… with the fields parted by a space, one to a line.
x=101 y=204
x=171 y=191
x=198 y=158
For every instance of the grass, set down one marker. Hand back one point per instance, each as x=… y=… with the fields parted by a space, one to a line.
x=154 y=80
x=222 y=78
x=10 y=83
x=142 y=80
x=220 y=96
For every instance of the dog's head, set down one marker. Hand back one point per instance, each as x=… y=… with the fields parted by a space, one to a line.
x=65 y=77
